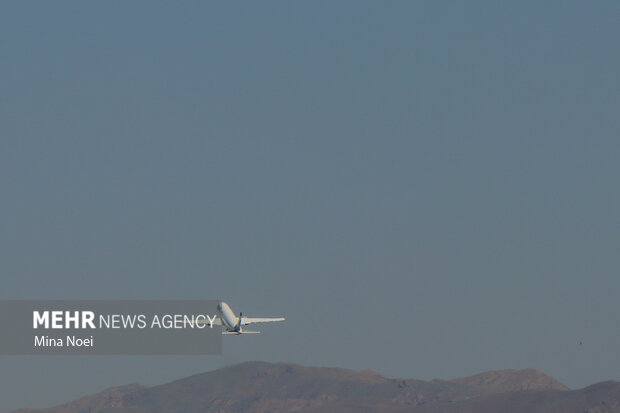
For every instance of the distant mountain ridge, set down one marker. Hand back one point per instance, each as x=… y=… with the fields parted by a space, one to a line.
x=282 y=387
x=511 y=380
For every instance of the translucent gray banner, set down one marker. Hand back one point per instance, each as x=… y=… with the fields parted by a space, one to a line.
x=109 y=327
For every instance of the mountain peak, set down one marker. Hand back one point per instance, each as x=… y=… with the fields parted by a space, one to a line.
x=512 y=380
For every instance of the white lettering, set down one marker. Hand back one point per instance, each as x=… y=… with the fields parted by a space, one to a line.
x=38 y=318
x=75 y=319
x=79 y=342
x=87 y=319
x=57 y=319
x=45 y=341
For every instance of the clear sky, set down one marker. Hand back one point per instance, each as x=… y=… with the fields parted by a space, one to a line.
x=427 y=189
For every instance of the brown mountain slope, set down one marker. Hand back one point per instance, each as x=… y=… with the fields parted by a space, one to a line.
x=511 y=380
x=265 y=387
x=112 y=397
x=602 y=397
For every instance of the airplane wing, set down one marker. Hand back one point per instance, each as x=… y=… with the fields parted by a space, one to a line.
x=216 y=322
x=252 y=320
x=237 y=333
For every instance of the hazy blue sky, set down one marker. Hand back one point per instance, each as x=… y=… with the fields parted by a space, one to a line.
x=427 y=189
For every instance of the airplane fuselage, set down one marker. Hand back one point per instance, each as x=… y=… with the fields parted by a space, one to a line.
x=229 y=319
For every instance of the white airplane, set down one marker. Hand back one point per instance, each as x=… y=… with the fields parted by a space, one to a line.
x=233 y=324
